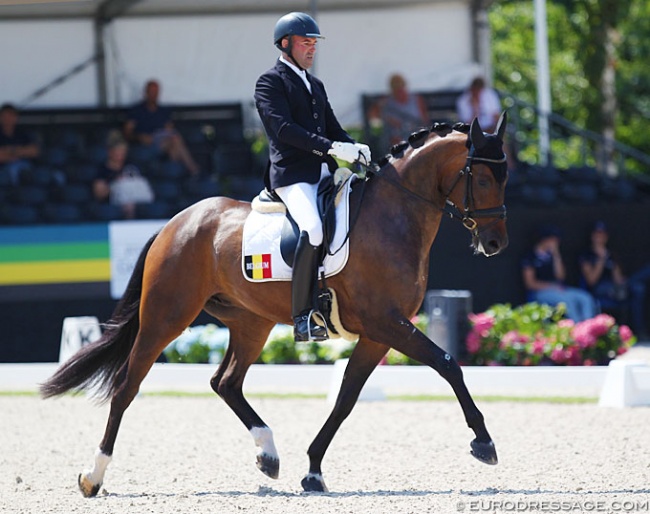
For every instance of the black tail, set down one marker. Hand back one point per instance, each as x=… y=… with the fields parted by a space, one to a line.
x=97 y=364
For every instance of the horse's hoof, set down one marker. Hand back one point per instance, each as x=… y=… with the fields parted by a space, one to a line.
x=270 y=466
x=87 y=488
x=313 y=483
x=485 y=452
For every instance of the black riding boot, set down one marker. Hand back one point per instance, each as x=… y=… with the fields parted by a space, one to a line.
x=303 y=279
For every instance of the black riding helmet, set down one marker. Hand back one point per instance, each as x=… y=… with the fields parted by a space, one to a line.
x=294 y=24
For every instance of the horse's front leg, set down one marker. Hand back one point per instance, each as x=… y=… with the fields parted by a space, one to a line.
x=402 y=335
x=365 y=357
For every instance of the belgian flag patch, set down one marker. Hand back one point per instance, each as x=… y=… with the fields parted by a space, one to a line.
x=258 y=267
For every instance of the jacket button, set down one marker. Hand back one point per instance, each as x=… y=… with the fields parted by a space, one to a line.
x=313 y=101
x=318 y=129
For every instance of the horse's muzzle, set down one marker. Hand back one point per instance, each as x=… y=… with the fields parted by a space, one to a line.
x=491 y=242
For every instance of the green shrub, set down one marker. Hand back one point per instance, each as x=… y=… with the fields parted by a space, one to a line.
x=198 y=345
x=207 y=344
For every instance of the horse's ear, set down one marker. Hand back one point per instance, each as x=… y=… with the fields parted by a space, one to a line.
x=501 y=125
x=476 y=135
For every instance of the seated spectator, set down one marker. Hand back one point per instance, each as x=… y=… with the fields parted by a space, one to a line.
x=604 y=278
x=17 y=148
x=401 y=112
x=479 y=101
x=119 y=182
x=150 y=124
x=483 y=103
x=544 y=274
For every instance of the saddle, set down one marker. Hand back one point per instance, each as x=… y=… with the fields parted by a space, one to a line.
x=326 y=200
x=332 y=195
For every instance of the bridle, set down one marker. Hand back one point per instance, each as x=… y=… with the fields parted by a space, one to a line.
x=467 y=215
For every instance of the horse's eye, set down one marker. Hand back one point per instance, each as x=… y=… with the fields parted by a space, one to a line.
x=483 y=182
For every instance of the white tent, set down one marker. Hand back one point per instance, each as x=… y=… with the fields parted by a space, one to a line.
x=89 y=52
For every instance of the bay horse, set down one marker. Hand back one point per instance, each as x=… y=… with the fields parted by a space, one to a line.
x=194 y=264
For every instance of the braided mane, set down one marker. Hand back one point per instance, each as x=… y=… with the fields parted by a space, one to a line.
x=441 y=129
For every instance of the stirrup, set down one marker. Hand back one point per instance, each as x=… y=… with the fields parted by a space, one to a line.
x=323 y=325
x=307 y=332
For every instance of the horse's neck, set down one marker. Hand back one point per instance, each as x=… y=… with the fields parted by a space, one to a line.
x=402 y=216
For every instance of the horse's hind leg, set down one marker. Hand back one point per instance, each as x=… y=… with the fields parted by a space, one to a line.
x=145 y=352
x=365 y=357
x=156 y=331
x=248 y=333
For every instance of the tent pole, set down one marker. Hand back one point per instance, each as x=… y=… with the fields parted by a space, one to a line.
x=100 y=64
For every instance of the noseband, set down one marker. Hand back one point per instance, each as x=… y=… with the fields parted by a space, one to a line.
x=467 y=216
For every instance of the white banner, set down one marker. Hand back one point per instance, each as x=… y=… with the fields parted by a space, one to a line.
x=76 y=333
x=126 y=240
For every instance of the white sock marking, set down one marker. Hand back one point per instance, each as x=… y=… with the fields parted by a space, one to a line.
x=96 y=475
x=263 y=437
x=318 y=477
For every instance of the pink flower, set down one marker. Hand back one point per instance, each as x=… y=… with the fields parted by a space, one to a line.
x=482 y=323
x=538 y=346
x=583 y=334
x=566 y=323
x=601 y=324
x=573 y=355
x=473 y=342
x=625 y=332
x=559 y=355
x=511 y=337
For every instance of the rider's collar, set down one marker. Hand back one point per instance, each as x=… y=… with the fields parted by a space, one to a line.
x=301 y=73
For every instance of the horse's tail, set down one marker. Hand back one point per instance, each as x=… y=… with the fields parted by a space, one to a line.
x=97 y=364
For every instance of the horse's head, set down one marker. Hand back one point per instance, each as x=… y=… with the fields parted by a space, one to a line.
x=480 y=203
x=469 y=180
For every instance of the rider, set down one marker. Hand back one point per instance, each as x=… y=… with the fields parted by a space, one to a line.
x=303 y=132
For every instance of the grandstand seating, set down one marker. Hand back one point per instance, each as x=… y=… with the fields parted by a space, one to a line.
x=528 y=184
x=58 y=187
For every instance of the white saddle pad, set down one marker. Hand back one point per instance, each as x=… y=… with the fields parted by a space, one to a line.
x=261 y=257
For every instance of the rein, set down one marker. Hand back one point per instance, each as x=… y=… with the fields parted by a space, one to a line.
x=467 y=216
x=354 y=216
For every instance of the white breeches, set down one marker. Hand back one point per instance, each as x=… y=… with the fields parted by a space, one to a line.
x=300 y=200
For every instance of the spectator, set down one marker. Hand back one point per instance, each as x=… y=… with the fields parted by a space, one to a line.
x=604 y=278
x=479 y=101
x=150 y=124
x=401 y=112
x=17 y=148
x=119 y=182
x=544 y=274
